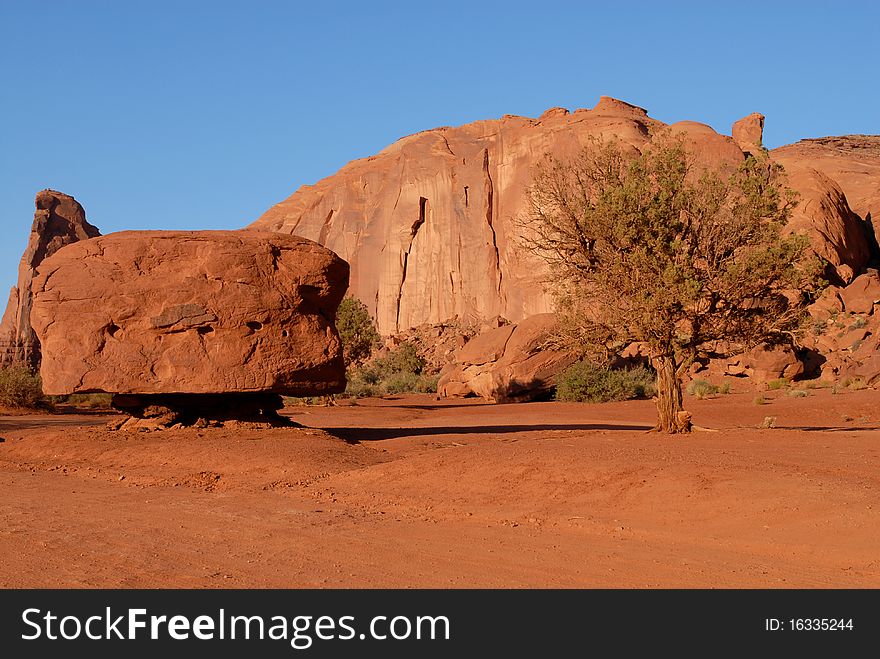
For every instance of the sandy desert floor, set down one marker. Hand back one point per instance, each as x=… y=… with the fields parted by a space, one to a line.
x=414 y=492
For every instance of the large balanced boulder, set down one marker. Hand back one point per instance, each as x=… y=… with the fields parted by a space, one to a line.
x=190 y=312
x=59 y=220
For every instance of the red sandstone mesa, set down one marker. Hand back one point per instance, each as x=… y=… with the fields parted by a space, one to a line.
x=200 y=312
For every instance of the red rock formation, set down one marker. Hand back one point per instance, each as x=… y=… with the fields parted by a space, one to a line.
x=428 y=223
x=852 y=161
x=837 y=234
x=58 y=221
x=506 y=364
x=190 y=312
x=748 y=133
x=862 y=294
x=765 y=362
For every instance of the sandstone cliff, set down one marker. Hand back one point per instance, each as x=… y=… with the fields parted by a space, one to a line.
x=428 y=223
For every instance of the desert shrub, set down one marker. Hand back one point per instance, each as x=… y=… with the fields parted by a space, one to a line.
x=356 y=330
x=768 y=422
x=19 y=387
x=774 y=385
x=403 y=359
x=858 y=323
x=585 y=382
x=760 y=400
x=798 y=393
x=399 y=371
x=359 y=388
x=724 y=388
x=856 y=384
x=399 y=383
x=817 y=384
x=702 y=389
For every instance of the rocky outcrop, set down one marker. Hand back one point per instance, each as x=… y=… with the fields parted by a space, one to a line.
x=436 y=343
x=852 y=161
x=428 y=224
x=862 y=294
x=506 y=364
x=844 y=343
x=190 y=312
x=766 y=362
x=748 y=133
x=59 y=220
x=836 y=233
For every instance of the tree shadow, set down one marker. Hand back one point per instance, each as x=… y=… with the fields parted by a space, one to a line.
x=829 y=428
x=357 y=435
x=430 y=406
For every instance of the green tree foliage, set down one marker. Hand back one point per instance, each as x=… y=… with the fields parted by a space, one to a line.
x=585 y=382
x=357 y=330
x=643 y=247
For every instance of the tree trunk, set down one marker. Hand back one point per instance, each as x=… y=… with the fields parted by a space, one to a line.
x=671 y=418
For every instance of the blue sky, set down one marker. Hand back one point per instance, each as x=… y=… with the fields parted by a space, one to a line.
x=200 y=115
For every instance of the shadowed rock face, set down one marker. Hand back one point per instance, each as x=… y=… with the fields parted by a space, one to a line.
x=59 y=220
x=853 y=163
x=201 y=312
x=428 y=223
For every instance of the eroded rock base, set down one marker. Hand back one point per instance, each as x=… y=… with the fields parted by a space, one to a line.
x=169 y=411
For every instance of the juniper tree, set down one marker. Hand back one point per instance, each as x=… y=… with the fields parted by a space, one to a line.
x=357 y=330
x=644 y=247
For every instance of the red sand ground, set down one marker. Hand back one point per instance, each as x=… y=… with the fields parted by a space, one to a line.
x=414 y=492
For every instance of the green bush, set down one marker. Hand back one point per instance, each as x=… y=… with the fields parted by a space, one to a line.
x=702 y=389
x=19 y=387
x=398 y=372
x=584 y=382
x=403 y=359
x=774 y=385
x=356 y=330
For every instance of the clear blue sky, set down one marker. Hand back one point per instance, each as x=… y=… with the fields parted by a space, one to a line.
x=201 y=115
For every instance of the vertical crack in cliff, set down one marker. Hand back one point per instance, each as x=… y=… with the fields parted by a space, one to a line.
x=423 y=203
x=489 y=189
x=325 y=228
